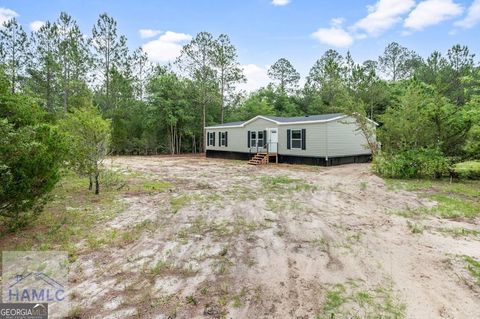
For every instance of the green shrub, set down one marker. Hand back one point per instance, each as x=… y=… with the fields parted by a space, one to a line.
x=30 y=159
x=412 y=164
x=469 y=170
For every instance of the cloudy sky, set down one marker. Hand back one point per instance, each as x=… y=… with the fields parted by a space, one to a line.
x=265 y=30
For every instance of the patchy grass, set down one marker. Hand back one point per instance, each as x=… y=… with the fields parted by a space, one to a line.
x=201 y=201
x=276 y=184
x=66 y=222
x=68 y=218
x=473 y=267
x=177 y=202
x=460 y=232
x=219 y=228
x=156 y=186
x=457 y=199
x=239 y=299
x=363 y=186
x=350 y=301
x=415 y=228
x=163 y=267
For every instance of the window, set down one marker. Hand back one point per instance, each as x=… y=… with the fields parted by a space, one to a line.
x=223 y=139
x=296 y=139
x=211 y=139
x=253 y=139
x=260 y=139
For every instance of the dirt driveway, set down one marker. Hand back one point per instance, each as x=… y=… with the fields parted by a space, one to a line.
x=228 y=240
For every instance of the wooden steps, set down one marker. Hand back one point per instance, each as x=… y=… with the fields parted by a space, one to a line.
x=259 y=159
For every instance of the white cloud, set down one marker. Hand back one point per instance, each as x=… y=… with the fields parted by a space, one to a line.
x=383 y=15
x=432 y=12
x=473 y=16
x=36 y=25
x=6 y=14
x=171 y=36
x=257 y=77
x=280 y=2
x=337 y=21
x=148 y=33
x=335 y=35
x=167 y=47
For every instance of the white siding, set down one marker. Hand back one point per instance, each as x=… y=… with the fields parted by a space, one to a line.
x=328 y=139
x=237 y=137
x=344 y=139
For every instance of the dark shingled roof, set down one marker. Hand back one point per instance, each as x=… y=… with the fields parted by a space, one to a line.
x=321 y=117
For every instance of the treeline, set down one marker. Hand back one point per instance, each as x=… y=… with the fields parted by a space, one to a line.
x=419 y=102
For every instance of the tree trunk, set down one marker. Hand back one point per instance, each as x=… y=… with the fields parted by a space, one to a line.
x=222 y=106
x=90 y=185
x=202 y=139
x=97 y=185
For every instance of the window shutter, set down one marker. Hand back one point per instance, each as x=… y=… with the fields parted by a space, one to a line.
x=265 y=138
x=226 y=139
x=303 y=138
x=288 y=139
x=213 y=134
x=248 y=139
x=208 y=138
x=219 y=138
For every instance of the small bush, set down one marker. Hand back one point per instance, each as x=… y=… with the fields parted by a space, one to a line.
x=468 y=170
x=412 y=164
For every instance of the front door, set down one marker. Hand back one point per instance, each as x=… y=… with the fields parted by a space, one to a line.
x=272 y=138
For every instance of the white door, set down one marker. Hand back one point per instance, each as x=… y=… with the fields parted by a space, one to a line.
x=272 y=138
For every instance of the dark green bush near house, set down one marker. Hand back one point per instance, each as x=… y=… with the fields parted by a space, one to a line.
x=468 y=170
x=429 y=163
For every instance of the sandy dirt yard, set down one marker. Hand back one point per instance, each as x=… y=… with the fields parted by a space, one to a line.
x=224 y=239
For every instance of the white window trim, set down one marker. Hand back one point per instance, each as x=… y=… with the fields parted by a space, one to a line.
x=211 y=137
x=260 y=139
x=252 y=140
x=296 y=139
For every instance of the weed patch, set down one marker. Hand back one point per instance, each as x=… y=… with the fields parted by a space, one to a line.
x=349 y=300
x=278 y=184
x=455 y=200
x=473 y=267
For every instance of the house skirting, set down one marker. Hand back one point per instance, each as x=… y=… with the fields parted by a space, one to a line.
x=293 y=159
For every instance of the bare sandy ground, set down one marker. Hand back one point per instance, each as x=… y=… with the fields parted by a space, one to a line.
x=221 y=242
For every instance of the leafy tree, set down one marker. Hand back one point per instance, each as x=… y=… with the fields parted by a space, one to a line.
x=420 y=117
x=229 y=73
x=75 y=62
x=196 y=60
x=286 y=75
x=142 y=70
x=328 y=68
x=461 y=65
x=254 y=105
x=31 y=154
x=45 y=66
x=169 y=100
x=110 y=51
x=398 y=62
x=13 y=51
x=326 y=87
x=89 y=136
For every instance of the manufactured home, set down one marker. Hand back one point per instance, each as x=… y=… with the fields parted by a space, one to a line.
x=326 y=139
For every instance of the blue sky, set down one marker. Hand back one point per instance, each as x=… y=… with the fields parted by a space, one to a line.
x=265 y=30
